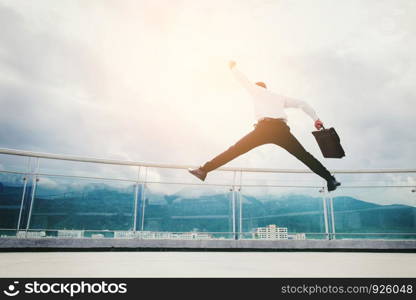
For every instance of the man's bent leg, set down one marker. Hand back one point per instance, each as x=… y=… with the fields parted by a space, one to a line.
x=292 y=145
x=245 y=144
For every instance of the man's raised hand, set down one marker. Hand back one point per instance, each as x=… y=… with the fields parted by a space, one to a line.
x=231 y=64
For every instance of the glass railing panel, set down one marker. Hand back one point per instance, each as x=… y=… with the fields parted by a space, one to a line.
x=376 y=179
x=12 y=187
x=14 y=163
x=298 y=212
x=280 y=179
x=188 y=209
x=82 y=204
x=182 y=176
x=87 y=169
x=381 y=212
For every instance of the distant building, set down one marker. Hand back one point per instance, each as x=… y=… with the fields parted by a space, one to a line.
x=297 y=236
x=30 y=234
x=97 y=235
x=125 y=234
x=70 y=233
x=194 y=236
x=173 y=235
x=271 y=232
x=156 y=235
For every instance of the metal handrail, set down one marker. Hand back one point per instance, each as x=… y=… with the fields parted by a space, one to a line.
x=198 y=184
x=175 y=166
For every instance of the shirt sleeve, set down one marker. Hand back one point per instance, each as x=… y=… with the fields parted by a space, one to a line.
x=243 y=80
x=295 y=103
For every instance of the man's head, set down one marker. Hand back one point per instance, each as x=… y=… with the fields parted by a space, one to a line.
x=262 y=84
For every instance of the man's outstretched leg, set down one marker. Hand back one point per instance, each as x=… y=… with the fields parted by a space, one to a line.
x=253 y=139
x=292 y=145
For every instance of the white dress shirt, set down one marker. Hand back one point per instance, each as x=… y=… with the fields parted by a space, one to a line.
x=269 y=104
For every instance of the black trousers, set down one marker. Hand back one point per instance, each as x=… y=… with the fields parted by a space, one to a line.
x=274 y=131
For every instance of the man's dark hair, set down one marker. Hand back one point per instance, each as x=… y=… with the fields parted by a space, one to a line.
x=262 y=84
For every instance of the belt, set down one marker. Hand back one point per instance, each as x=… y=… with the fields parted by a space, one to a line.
x=267 y=119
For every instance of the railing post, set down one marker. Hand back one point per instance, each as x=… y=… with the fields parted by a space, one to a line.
x=23 y=193
x=332 y=216
x=136 y=196
x=240 y=215
x=143 y=200
x=234 y=207
x=32 y=198
x=21 y=202
x=328 y=237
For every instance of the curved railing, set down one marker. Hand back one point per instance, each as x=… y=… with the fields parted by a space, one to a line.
x=50 y=195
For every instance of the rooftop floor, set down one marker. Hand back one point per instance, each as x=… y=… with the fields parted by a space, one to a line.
x=207 y=264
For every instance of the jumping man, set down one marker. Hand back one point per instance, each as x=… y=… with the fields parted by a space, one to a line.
x=271 y=127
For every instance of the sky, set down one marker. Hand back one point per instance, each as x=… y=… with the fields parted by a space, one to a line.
x=149 y=80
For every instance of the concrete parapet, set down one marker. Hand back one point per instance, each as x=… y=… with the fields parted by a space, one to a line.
x=12 y=244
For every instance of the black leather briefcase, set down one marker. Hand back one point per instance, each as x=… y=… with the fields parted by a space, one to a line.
x=329 y=143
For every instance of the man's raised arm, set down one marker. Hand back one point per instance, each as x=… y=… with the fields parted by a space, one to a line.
x=291 y=102
x=247 y=84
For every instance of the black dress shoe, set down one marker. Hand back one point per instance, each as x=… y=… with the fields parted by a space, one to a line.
x=201 y=174
x=332 y=184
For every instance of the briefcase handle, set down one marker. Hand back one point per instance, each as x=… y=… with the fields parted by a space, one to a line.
x=334 y=132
